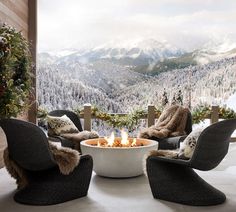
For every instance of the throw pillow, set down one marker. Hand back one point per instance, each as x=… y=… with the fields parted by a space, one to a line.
x=187 y=147
x=61 y=125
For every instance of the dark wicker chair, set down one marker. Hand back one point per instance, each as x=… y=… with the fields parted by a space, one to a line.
x=175 y=180
x=28 y=147
x=74 y=118
x=174 y=142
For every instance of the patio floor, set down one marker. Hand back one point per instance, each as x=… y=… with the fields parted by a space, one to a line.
x=129 y=195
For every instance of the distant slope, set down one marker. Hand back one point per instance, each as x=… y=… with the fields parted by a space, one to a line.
x=211 y=83
x=58 y=90
x=168 y=64
x=197 y=57
x=203 y=57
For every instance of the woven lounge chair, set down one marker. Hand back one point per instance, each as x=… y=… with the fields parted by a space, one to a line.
x=175 y=180
x=28 y=147
x=74 y=118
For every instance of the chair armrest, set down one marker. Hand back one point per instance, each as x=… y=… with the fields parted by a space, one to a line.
x=64 y=141
x=170 y=142
x=169 y=160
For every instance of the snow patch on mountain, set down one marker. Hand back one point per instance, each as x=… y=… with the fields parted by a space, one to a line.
x=215 y=50
x=133 y=49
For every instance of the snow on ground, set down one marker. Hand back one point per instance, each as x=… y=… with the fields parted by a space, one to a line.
x=231 y=102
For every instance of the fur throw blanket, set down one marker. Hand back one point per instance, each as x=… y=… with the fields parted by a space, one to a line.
x=174 y=154
x=76 y=138
x=164 y=153
x=66 y=159
x=172 y=122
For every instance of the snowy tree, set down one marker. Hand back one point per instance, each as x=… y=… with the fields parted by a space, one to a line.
x=174 y=100
x=164 y=100
x=179 y=97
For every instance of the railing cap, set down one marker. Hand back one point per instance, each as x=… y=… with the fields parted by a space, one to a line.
x=87 y=104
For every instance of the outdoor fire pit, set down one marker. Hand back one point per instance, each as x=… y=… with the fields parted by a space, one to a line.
x=118 y=157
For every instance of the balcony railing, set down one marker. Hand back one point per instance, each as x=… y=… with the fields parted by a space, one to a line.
x=150 y=116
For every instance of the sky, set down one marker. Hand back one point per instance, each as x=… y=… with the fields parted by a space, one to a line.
x=186 y=24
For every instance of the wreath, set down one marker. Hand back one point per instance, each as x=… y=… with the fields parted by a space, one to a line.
x=15 y=69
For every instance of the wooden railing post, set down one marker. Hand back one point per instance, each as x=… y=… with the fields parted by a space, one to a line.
x=214 y=114
x=87 y=117
x=151 y=115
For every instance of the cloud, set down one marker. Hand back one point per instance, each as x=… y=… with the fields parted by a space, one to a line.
x=187 y=24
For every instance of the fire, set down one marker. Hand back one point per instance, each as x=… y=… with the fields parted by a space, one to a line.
x=110 y=140
x=124 y=138
x=124 y=141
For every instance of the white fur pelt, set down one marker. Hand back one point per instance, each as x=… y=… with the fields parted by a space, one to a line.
x=172 y=122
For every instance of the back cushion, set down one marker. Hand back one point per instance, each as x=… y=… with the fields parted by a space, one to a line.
x=187 y=147
x=60 y=125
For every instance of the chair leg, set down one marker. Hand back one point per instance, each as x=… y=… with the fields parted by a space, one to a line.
x=180 y=184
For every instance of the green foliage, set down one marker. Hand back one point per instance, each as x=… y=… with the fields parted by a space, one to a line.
x=226 y=113
x=200 y=113
x=130 y=121
x=15 y=68
x=42 y=113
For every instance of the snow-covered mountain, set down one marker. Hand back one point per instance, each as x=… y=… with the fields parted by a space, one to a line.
x=144 y=56
x=136 y=53
x=121 y=77
x=214 y=51
x=149 y=48
x=117 y=88
x=210 y=52
x=46 y=58
x=106 y=76
x=210 y=84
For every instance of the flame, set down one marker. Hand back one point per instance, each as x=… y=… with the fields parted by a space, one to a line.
x=134 y=143
x=111 y=141
x=124 y=138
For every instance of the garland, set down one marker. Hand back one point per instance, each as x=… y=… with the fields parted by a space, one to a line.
x=202 y=112
x=130 y=121
x=15 y=68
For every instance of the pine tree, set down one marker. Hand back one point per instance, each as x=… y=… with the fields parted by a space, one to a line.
x=164 y=100
x=179 y=97
x=173 y=101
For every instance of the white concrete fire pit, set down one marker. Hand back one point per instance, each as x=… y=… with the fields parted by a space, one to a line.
x=118 y=162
